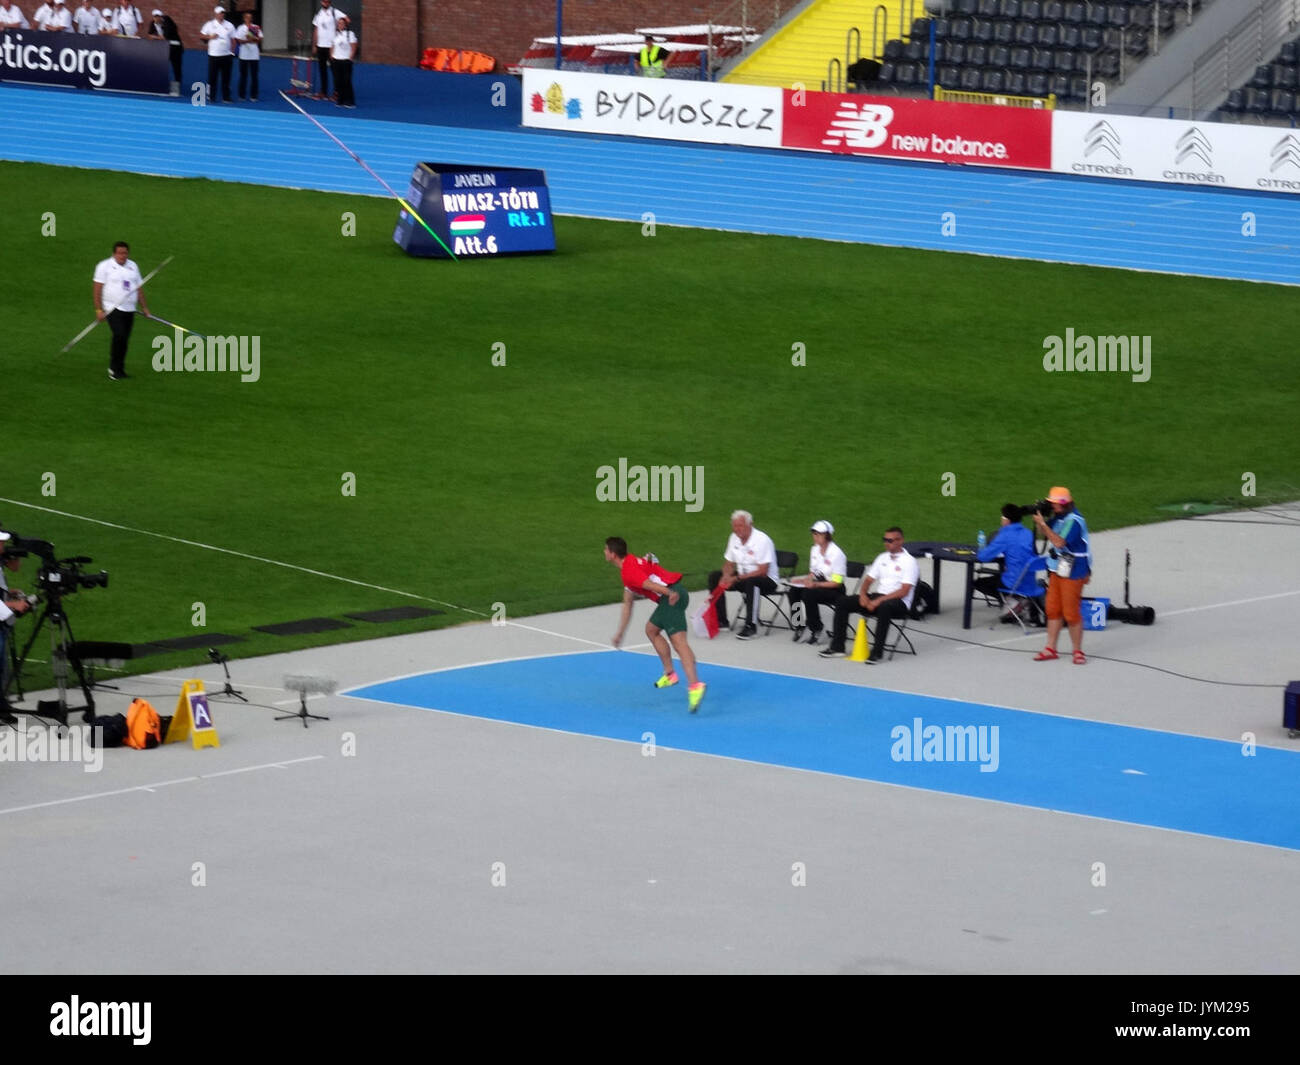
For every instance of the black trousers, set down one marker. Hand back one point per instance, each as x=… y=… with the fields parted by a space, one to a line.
x=248 y=67
x=884 y=614
x=813 y=599
x=175 y=51
x=750 y=587
x=219 y=72
x=323 y=61
x=120 y=323
x=343 y=82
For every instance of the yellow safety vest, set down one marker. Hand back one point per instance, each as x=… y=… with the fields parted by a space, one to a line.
x=653 y=68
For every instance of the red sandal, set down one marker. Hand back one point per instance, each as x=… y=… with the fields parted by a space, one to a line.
x=1080 y=659
x=1046 y=655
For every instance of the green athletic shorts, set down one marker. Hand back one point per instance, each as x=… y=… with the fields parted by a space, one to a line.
x=672 y=619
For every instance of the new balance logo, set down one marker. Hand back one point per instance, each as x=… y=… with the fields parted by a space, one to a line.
x=859 y=126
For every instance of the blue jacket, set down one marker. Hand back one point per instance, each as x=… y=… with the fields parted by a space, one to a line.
x=1074 y=530
x=1015 y=543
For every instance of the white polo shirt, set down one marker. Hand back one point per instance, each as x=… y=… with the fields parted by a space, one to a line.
x=121 y=284
x=127 y=21
x=250 y=40
x=751 y=555
x=342 y=46
x=828 y=565
x=891 y=572
x=13 y=16
x=88 y=20
x=225 y=32
x=59 y=20
x=42 y=14
x=326 y=22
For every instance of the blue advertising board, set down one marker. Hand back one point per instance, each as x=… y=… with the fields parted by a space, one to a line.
x=477 y=211
x=123 y=64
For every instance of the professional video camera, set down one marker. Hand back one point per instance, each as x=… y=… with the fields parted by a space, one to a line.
x=1042 y=506
x=57 y=576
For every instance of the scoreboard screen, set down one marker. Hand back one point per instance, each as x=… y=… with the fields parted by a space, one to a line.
x=477 y=211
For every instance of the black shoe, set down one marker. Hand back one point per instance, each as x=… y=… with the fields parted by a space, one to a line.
x=874 y=660
x=832 y=652
x=814 y=638
x=798 y=633
x=117 y=376
x=747 y=633
x=6 y=718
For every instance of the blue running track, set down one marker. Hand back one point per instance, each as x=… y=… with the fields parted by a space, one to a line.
x=1138 y=776
x=1173 y=229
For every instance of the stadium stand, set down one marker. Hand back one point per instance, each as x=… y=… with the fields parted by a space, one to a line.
x=1270 y=94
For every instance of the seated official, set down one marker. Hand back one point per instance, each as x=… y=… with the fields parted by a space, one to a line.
x=1014 y=545
x=886 y=594
x=748 y=567
x=822 y=584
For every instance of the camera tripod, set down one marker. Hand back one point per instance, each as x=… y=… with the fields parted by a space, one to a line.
x=61 y=639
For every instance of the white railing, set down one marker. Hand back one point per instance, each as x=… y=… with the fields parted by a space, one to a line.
x=1253 y=41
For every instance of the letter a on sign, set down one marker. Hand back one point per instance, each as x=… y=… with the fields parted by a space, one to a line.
x=193 y=719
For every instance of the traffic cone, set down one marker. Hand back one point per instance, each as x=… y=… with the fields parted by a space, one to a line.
x=861 y=643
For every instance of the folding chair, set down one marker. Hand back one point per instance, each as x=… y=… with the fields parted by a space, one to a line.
x=1025 y=591
x=898 y=638
x=786 y=561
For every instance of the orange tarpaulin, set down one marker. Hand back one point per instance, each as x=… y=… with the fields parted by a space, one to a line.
x=457 y=61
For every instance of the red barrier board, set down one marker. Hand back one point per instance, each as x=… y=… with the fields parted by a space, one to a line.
x=980 y=134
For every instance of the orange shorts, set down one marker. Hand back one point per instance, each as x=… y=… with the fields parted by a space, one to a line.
x=1064 y=595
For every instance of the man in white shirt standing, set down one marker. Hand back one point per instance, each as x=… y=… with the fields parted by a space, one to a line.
x=117 y=292
x=12 y=17
x=249 y=37
x=894 y=576
x=219 y=32
x=341 y=54
x=126 y=19
x=87 y=18
x=106 y=26
x=324 y=25
x=59 y=20
x=748 y=567
x=42 y=15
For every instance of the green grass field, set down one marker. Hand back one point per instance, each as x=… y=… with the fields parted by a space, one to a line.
x=476 y=483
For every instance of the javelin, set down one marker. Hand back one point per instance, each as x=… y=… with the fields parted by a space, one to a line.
x=155 y=318
x=74 y=340
x=362 y=162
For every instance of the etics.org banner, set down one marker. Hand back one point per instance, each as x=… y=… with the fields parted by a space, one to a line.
x=895 y=128
x=80 y=61
x=1263 y=158
x=712 y=112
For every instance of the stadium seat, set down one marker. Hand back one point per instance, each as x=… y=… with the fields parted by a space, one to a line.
x=1041 y=59
x=959 y=30
x=987 y=8
x=1136 y=44
x=1004 y=32
x=1009 y=9
x=1073 y=13
x=1106 y=66
x=1284 y=77
x=1037 y=84
x=955 y=52
x=982 y=30
x=1031 y=10
x=1063 y=61
x=1084 y=62
x=999 y=56
x=1025 y=33
x=1256 y=101
x=1288 y=54
x=993 y=81
x=1282 y=102
x=938 y=51
x=1059 y=86
x=1017 y=83
x=1046 y=35
x=913 y=51
x=1262 y=78
x=1053 y=11
x=1095 y=15
x=941 y=28
x=908 y=75
x=964 y=7
x=1236 y=101
x=1069 y=36
x=948 y=76
x=1019 y=59
x=1117 y=16
x=970 y=79
x=1112 y=39
x=893 y=50
x=977 y=55
x=920 y=29
x=887 y=72
x=1090 y=39
x=1078 y=87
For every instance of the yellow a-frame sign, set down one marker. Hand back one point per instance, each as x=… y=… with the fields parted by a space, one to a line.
x=193 y=718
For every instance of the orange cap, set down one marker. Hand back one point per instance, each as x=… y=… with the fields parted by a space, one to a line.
x=1060 y=495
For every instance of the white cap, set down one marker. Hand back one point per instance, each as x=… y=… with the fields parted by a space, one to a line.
x=219 y=10
x=107 y=12
x=824 y=527
x=5 y=536
x=157 y=11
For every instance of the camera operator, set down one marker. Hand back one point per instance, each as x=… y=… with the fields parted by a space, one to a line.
x=1070 y=568
x=9 y=609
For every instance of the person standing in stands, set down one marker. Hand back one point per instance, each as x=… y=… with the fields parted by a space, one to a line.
x=87 y=18
x=249 y=36
x=653 y=60
x=59 y=20
x=164 y=28
x=126 y=19
x=342 y=52
x=324 y=25
x=12 y=17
